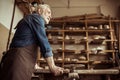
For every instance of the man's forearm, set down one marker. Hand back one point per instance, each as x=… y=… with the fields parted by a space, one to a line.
x=50 y=62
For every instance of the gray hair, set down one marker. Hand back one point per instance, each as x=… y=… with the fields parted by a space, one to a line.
x=40 y=6
x=43 y=6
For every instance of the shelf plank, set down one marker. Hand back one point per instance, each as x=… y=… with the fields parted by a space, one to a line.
x=97 y=71
x=77 y=62
x=102 y=71
x=80 y=62
x=103 y=62
x=89 y=30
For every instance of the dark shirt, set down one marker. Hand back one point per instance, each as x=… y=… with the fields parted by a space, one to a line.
x=31 y=30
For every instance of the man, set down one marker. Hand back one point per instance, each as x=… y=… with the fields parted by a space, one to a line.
x=19 y=61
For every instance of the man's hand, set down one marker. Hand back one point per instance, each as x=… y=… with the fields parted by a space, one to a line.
x=53 y=68
x=57 y=70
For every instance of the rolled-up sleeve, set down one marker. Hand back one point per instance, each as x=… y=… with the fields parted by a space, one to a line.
x=38 y=27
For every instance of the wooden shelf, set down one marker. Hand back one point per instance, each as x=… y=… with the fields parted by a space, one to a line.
x=76 y=62
x=102 y=62
x=104 y=71
x=78 y=38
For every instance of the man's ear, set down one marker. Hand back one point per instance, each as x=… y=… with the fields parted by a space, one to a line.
x=40 y=11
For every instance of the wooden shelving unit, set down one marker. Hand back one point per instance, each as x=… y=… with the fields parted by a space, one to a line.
x=88 y=44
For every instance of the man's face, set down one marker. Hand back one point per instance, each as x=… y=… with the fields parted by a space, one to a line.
x=46 y=15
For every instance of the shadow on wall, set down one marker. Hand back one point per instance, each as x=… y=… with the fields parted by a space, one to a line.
x=4 y=32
